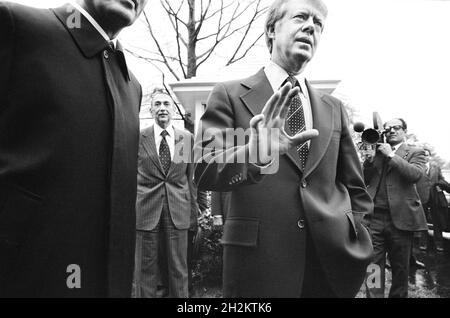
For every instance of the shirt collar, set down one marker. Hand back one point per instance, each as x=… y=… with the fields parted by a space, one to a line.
x=397 y=146
x=170 y=130
x=93 y=22
x=277 y=75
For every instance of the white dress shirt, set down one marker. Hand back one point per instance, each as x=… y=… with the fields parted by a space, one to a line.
x=170 y=138
x=397 y=146
x=94 y=23
x=277 y=76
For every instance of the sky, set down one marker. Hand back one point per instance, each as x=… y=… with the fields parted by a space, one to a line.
x=391 y=56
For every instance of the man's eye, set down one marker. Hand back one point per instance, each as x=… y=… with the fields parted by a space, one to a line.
x=302 y=17
x=318 y=23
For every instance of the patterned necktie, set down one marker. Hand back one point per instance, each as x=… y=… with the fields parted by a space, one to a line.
x=164 y=152
x=296 y=122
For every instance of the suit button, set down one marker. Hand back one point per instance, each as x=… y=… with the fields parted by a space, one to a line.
x=304 y=184
x=301 y=224
x=105 y=54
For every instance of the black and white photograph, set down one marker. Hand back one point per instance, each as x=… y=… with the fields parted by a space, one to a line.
x=243 y=150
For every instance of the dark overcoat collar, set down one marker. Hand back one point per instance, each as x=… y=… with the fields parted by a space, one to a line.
x=86 y=37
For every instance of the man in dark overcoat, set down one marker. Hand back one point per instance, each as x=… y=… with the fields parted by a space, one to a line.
x=69 y=132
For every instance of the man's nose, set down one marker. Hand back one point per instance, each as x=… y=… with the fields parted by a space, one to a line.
x=308 y=25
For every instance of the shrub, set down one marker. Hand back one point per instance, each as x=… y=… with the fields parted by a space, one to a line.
x=207 y=270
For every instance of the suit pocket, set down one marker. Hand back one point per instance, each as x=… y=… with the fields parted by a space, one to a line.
x=18 y=208
x=240 y=232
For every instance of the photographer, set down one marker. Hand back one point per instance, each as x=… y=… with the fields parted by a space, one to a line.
x=390 y=173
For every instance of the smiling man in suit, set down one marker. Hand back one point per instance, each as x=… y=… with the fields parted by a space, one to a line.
x=69 y=132
x=293 y=228
x=166 y=201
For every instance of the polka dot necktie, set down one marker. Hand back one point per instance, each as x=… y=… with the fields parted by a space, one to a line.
x=296 y=121
x=164 y=152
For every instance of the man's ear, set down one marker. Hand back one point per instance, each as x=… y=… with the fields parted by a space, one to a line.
x=271 y=32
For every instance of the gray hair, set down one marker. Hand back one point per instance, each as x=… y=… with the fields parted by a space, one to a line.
x=275 y=13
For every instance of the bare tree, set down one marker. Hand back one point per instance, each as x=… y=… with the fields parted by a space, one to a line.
x=195 y=31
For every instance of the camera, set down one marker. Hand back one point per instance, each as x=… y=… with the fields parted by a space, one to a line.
x=371 y=136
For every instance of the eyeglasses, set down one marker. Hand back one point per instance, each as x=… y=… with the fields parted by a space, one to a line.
x=396 y=128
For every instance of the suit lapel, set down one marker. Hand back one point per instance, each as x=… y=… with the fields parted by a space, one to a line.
x=258 y=94
x=323 y=114
x=148 y=142
x=178 y=150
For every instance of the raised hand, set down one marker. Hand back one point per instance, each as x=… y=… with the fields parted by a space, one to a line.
x=268 y=137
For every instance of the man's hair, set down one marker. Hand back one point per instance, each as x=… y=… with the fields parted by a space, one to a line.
x=275 y=13
x=404 y=125
x=158 y=91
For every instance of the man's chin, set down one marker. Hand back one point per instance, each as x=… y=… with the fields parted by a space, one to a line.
x=303 y=56
x=123 y=15
x=393 y=141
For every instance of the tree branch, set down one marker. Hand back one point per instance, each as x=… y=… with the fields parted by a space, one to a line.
x=233 y=59
x=166 y=62
x=252 y=20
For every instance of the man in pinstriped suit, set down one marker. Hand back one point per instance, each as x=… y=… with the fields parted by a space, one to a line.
x=166 y=202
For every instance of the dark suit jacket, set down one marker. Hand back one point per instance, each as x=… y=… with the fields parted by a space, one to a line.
x=68 y=156
x=404 y=170
x=154 y=185
x=264 y=249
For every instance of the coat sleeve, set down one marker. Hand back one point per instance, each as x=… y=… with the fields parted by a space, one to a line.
x=349 y=171
x=411 y=170
x=220 y=163
x=7 y=30
x=193 y=191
